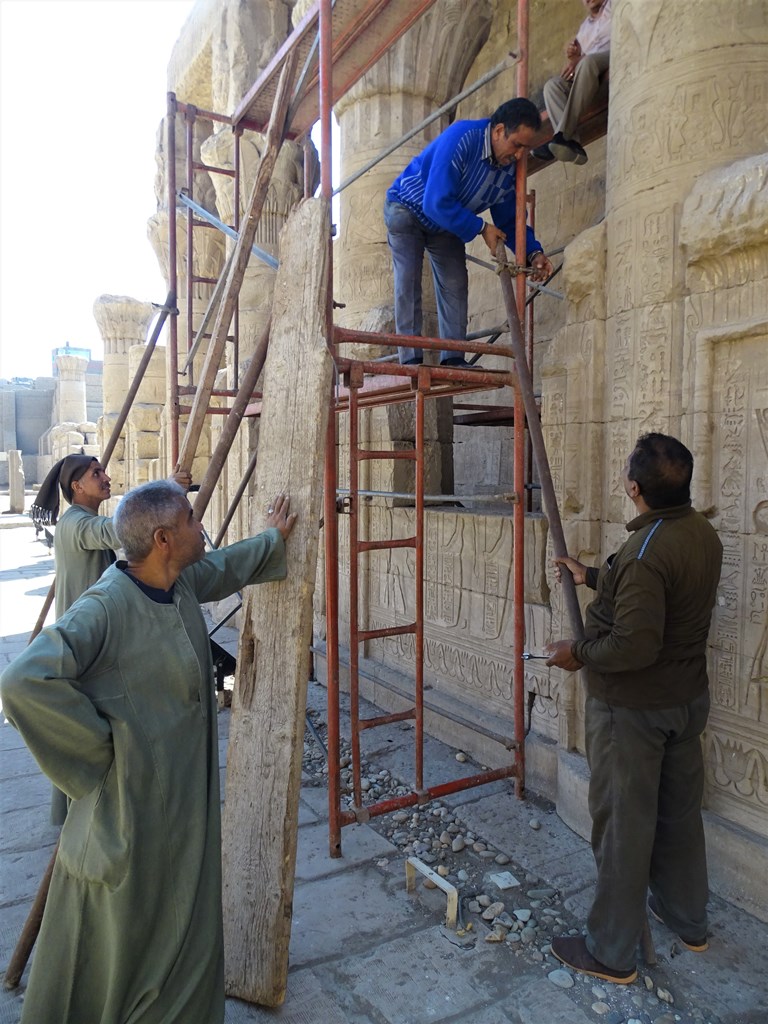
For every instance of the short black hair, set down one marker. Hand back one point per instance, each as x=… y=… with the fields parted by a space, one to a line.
x=515 y=113
x=662 y=468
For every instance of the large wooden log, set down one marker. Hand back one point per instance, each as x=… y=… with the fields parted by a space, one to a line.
x=266 y=737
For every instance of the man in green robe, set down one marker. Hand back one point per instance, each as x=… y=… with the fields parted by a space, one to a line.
x=84 y=543
x=116 y=703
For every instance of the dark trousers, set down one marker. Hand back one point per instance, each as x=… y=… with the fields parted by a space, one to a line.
x=645 y=797
x=408 y=241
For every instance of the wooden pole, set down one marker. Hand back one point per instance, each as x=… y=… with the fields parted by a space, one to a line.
x=231 y=424
x=266 y=734
x=274 y=140
x=549 y=498
x=31 y=929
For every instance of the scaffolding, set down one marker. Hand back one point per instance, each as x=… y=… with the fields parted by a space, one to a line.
x=333 y=46
x=335 y=43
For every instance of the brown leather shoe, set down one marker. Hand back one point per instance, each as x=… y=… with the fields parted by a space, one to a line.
x=572 y=951
x=695 y=945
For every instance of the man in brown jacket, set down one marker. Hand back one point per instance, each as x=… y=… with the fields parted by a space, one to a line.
x=647 y=705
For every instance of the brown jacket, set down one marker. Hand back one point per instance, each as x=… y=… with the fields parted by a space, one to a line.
x=646 y=631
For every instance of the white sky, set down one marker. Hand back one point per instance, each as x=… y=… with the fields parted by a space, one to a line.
x=82 y=92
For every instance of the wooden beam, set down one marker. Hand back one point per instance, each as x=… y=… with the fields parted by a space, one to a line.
x=266 y=737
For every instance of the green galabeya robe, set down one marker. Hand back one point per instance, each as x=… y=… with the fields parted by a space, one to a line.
x=83 y=546
x=116 y=702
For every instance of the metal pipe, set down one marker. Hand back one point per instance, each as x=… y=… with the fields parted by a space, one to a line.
x=446 y=107
x=348 y=336
x=518 y=515
x=189 y=130
x=487 y=332
x=231 y=425
x=260 y=254
x=529 y=327
x=396 y=716
x=257 y=198
x=331 y=473
x=377 y=634
x=236 y=220
x=434 y=792
x=236 y=499
x=354 y=585
x=394 y=454
x=433 y=499
x=213 y=170
x=205 y=115
x=173 y=341
x=549 y=498
x=419 y=574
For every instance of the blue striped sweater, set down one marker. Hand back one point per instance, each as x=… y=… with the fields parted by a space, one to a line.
x=454 y=179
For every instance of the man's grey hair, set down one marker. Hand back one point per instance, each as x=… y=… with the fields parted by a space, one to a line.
x=143 y=510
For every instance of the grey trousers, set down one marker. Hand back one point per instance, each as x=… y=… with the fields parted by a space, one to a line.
x=408 y=241
x=567 y=102
x=645 y=796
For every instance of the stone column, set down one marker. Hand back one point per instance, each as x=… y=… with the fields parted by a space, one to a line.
x=122 y=322
x=688 y=92
x=70 y=389
x=572 y=388
x=243 y=43
x=285 y=190
x=724 y=231
x=208 y=259
x=396 y=94
x=685 y=314
x=15 y=481
x=142 y=441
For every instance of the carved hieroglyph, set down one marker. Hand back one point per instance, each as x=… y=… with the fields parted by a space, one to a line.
x=467 y=602
x=688 y=93
x=724 y=229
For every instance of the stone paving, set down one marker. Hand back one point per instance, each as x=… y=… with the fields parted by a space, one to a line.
x=363 y=950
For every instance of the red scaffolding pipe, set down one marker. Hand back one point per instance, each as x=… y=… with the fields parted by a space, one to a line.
x=518 y=513
x=173 y=342
x=329 y=498
x=421 y=387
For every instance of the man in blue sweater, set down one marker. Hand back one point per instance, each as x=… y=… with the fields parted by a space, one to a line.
x=434 y=205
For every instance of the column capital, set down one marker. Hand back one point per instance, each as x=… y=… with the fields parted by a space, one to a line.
x=122 y=321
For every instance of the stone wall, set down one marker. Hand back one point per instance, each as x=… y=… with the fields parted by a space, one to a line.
x=664 y=326
x=724 y=239
x=666 y=330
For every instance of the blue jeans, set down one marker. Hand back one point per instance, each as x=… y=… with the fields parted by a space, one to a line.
x=407 y=240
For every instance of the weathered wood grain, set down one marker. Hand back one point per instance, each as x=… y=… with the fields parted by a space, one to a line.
x=267 y=728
